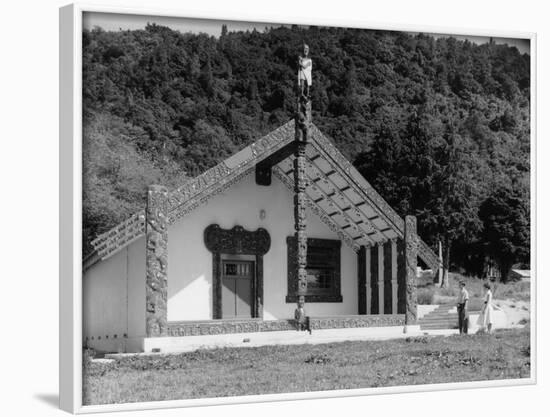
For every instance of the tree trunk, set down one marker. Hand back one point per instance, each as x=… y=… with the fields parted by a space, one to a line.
x=438 y=275
x=505 y=268
x=446 y=257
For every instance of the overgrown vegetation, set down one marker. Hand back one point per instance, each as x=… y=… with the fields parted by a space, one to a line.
x=428 y=293
x=302 y=368
x=440 y=127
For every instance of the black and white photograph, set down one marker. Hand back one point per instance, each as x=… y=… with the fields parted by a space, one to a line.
x=273 y=208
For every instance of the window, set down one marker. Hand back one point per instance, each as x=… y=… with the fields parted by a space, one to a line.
x=323 y=271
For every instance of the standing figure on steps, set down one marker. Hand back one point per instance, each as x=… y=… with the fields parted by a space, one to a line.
x=304 y=73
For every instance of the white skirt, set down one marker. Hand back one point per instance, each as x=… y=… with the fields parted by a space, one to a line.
x=486 y=316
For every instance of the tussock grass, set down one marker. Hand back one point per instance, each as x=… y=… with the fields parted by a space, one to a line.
x=301 y=368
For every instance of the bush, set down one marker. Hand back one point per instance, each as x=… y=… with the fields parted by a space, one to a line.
x=425 y=295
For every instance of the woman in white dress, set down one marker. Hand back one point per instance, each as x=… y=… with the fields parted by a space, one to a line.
x=485 y=320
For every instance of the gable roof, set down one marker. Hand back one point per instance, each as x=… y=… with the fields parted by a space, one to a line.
x=336 y=192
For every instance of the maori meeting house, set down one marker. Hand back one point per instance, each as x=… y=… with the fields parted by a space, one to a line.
x=232 y=250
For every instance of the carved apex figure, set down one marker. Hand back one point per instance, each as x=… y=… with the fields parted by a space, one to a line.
x=304 y=72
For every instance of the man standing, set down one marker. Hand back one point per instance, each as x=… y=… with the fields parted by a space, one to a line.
x=462 y=308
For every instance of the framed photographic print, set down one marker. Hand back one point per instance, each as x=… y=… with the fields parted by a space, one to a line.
x=257 y=210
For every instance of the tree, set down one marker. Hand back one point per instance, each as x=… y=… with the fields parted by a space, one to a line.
x=428 y=175
x=187 y=101
x=451 y=211
x=505 y=216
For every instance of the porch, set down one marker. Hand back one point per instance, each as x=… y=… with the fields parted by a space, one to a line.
x=188 y=336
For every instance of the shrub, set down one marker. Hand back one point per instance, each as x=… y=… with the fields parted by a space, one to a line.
x=425 y=296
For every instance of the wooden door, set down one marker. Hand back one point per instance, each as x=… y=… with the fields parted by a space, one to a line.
x=237 y=278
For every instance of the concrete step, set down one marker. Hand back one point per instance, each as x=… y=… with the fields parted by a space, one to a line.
x=438 y=318
x=424 y=328
x=440 y=323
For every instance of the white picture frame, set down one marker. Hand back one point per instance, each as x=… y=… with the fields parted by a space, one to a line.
x=70 y=261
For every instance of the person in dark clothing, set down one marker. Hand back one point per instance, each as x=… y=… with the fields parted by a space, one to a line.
x=462 y=308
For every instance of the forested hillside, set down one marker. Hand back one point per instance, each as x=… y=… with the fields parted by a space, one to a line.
x=440 y=127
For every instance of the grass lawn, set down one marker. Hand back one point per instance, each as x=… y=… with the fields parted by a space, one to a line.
x=300 y=368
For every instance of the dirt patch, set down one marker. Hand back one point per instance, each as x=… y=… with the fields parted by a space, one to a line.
x=517 y=312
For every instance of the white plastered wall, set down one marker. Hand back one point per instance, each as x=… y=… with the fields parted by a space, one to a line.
x=190 y=262
x=114 y=300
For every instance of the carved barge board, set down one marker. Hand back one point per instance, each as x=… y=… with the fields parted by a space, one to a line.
x=199 y=190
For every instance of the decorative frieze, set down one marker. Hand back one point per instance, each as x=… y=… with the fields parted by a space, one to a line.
x=109 y=243
x=197 y=328
x=156 y=293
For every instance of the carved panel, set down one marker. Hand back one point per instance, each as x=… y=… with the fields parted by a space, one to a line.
x=303 y=119
x=236 y=240
x=156 y=262
x=300 y=212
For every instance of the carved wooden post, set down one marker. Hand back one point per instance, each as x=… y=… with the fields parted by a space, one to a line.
x=156 y=292
x=300 y=211
x=411 y=253
x=302 y=123
x=368 y=279
x=393 y=276
x=363 y=280
x=381 y=278
x=401 y=277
